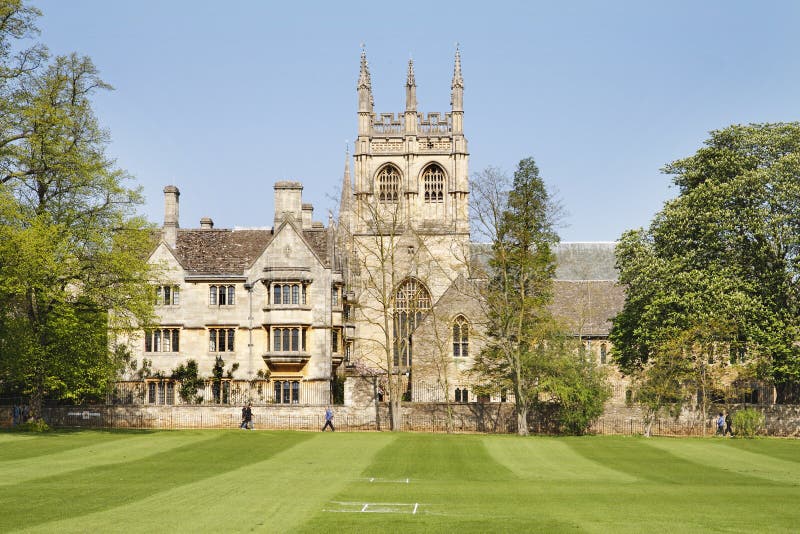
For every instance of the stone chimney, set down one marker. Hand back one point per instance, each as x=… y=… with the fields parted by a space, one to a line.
x=206 y=223
x=288 y=200
x=308 y=215
x=170 y=232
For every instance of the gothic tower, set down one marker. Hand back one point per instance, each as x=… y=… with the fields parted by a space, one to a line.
x=408 y=218
x=414 y=163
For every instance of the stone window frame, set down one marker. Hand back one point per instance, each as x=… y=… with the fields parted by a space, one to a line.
x=387 y=184
x=284 y=338
x=167 y=295
x=160 y=392
x=433 y=180
x=285 y=293
x=162 y=339
x=460 y=337
x=287 y=391
x=412 y=300
x=221 y=339
x=221 y=294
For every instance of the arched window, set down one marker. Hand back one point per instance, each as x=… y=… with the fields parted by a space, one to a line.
x=388 y=184
x=433 y=180
x=603 y=353
x=411 y=302
x=460 y=337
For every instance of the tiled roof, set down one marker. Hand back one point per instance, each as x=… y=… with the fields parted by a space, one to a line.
x=587 y=306
x=574 y=261
x=586 y=261
x=226 y=251
x=220 y=251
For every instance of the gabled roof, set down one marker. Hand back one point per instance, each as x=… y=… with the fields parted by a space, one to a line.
x=220 y=251
x=231 y=252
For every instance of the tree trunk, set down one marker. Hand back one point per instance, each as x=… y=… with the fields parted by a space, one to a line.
x=522 y=419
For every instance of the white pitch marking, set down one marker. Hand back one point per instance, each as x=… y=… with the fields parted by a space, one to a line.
x=372 y=479
x=415 y=508
x=406 y=481
x=364 y=509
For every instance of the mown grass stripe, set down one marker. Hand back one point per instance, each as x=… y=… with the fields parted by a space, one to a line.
x=549 y=459
x=271 y=495
x=19 y=446
x=718 y=455
x=96 y=488
x=131 y=449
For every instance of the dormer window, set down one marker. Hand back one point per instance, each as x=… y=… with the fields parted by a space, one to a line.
x=389 y=184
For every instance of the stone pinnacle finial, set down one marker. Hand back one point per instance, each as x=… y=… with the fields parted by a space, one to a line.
x=458 y=81
x=364 y=79
x=410 y=81
x=366 y=101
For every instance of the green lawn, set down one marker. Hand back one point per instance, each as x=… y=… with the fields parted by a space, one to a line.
x=234 y=481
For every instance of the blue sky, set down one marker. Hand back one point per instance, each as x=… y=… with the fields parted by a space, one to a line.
x=223 y=99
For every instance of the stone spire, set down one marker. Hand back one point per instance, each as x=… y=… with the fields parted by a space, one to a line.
x=457 y=87
x=365 y=101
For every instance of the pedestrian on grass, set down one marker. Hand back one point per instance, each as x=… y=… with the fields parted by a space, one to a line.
x=720 y=425
x=328 y=420
x=247 y=418
x=728 y=422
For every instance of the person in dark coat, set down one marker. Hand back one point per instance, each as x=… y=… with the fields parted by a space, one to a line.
x=247 y=418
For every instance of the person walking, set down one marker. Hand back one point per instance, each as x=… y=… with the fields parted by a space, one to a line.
x=328 y=420
x=247 y=418
x=728 y=423
x=720 y=425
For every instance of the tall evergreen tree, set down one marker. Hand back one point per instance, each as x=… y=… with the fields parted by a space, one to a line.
x=521 y=266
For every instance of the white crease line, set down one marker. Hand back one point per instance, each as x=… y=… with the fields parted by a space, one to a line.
x=415 y=508
x=372 y=479
x=366 y=505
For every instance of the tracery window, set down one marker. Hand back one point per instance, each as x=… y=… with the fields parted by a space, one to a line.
x=388 y=184
x=433 y=180
x=412 y=301
x=460 y=337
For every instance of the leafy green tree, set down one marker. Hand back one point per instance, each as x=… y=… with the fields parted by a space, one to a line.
x=71 y=246
x=721 y=258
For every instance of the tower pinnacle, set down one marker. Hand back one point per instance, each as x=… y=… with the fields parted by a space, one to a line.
x=365 y=101
x=457 y=87
x=411 y=88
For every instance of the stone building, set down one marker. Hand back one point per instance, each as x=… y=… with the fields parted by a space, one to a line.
x=390 y=291
x=263 y=303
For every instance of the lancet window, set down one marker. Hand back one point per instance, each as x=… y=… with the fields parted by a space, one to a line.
x=433 y=180
x=388 y=184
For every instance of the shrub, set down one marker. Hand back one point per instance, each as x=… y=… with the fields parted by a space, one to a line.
x=748 y=423
x=34 y=425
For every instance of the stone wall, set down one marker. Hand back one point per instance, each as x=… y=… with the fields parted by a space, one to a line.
x=781 y=420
